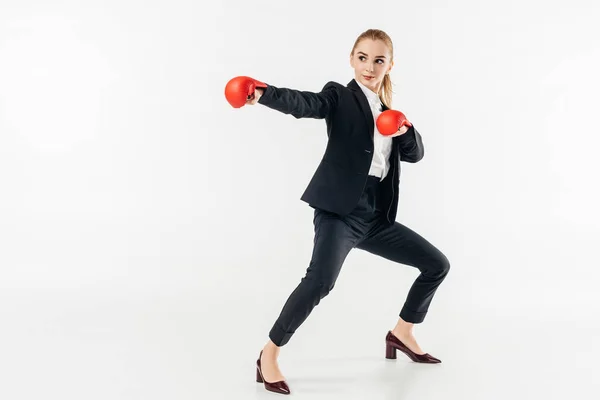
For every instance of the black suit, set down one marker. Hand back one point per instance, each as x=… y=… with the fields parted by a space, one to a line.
x=340 y=178
x=353 y=209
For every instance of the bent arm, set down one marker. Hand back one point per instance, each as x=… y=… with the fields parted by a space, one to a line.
x=411 y=146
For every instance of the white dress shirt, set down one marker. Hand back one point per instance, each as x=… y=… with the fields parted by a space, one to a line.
x=382 y=144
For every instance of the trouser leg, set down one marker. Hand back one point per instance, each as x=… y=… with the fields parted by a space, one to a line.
x=333 y=240
x=400 y=244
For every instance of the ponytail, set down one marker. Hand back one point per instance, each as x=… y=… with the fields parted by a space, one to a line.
x=385 y=91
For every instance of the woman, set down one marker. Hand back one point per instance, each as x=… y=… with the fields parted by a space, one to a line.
x=354 y=192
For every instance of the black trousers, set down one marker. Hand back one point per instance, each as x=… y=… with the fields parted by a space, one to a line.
x=364 y=228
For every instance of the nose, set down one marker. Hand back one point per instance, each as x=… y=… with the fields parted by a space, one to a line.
x=369 y=67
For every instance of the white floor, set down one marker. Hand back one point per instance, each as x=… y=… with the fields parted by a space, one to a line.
x=87 y=344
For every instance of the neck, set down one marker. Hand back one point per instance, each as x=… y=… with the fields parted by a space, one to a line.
x=376 y=91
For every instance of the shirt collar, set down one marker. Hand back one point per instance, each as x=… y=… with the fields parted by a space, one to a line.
x=372 y=97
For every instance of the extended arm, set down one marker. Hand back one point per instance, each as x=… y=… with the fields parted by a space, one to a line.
x=302 y=104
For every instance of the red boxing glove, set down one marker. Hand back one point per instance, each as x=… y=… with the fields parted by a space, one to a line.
x=390 y=121
x=240 y=88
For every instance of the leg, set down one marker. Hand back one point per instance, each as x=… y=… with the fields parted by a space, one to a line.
x=400 y=244
x=334 y=238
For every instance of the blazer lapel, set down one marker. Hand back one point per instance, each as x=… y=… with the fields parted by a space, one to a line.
x=364 y=105
x=366 y=109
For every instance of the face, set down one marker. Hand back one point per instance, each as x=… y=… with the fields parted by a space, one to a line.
x=371 y=61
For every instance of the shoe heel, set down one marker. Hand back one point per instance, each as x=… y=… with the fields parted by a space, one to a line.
x=390 y=352
x=259 y=378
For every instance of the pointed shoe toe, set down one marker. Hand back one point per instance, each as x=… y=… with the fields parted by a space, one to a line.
x=392 y=343
x=276 y=387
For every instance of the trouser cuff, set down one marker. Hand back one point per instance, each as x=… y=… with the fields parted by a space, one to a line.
x=279 y=336
x=412 y=316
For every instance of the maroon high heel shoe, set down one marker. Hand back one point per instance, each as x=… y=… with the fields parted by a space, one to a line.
x=392 y=343
x=277 y=387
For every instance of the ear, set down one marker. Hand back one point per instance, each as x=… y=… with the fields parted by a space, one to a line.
x=351 y=61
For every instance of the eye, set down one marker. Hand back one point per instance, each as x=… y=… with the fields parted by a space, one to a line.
x=379 y=60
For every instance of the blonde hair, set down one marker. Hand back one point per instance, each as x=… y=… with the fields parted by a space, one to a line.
x=385 y=91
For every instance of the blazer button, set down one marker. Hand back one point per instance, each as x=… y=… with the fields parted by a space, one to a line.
x=368 y=151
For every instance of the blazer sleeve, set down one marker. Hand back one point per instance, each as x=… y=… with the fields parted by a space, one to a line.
x=302 y=104
x=411 y=146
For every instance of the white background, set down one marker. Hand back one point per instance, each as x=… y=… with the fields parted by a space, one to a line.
x=150 y=233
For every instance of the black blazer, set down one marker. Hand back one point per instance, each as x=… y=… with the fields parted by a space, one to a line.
x=338 y=182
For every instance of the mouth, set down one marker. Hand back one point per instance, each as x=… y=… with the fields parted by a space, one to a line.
x=368 y=77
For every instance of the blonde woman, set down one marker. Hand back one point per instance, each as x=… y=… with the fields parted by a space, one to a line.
x=354 y=193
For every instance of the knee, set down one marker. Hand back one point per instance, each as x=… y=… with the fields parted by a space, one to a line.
x=444 y=265
x=320 y=284
x=440 y=266
x=326 y=287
